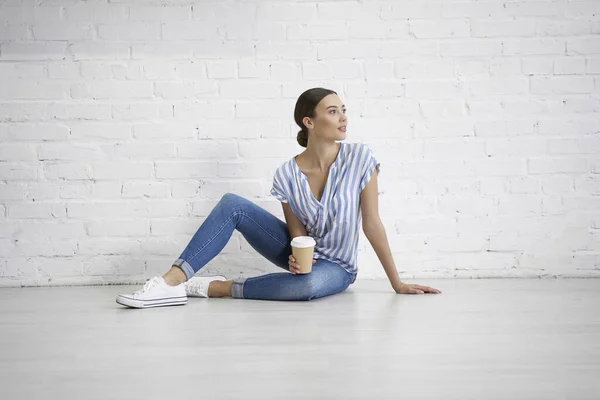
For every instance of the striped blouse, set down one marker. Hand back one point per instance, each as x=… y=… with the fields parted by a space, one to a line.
x=335 y=221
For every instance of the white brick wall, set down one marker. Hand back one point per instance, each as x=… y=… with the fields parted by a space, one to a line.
x=122 y=123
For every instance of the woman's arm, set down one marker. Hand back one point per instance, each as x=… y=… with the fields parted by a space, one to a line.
x=294 y=225
x=375 y=231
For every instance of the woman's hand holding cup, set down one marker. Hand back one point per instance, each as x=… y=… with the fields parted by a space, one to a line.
x=295 y=267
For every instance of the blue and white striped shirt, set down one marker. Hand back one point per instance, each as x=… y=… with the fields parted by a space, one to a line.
x=335 y=221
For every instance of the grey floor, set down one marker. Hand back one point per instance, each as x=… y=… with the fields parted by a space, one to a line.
x=479 y=339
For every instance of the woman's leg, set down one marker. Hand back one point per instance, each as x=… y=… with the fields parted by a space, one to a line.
x=326 y=278
x=266 y=233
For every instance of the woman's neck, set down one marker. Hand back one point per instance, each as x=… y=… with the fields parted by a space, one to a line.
x=319 y=156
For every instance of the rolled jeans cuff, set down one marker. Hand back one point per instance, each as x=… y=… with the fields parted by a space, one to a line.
x=237 y=289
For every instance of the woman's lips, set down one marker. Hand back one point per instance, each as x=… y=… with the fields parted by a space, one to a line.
x=342 y=128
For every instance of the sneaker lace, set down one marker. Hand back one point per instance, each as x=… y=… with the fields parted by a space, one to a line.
x=148 y=286
x=196 y=287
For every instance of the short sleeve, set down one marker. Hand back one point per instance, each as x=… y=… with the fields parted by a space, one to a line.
x=368 y=163
x=277 y=189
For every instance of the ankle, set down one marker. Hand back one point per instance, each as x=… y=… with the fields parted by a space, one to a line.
x=174 y=277
x=220 y=289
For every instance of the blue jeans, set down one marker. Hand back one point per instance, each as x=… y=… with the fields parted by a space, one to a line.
x=270 y=236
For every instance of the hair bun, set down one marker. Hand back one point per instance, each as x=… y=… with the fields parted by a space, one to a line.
x=302 y=138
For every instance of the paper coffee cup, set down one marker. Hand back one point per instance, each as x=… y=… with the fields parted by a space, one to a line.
x=303 y=248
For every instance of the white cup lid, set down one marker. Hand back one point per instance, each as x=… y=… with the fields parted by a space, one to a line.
x=303 y=241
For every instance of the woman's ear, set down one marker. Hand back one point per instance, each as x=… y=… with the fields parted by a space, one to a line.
x=307 y=122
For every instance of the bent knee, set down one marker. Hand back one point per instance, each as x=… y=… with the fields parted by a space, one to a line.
x=314 y=289
x=231 y=197
x=233 y=200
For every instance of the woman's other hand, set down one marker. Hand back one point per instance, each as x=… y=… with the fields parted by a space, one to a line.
x=405 y=288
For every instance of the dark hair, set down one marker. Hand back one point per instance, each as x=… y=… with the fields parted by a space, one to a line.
x=305 y=107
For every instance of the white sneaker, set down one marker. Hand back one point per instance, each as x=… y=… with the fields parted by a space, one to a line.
x=155 y=293
x=197 y=286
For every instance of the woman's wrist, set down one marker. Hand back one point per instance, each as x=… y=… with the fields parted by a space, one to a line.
x=397 y=284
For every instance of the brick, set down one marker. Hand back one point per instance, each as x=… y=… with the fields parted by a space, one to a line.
x=28 y=71
x=582 y=9
x=246 y=89
x=357 y=49
x=471 y=48
x=38 y=132
x=141 y=111
x=316 y=70
x=285 y=71
x=410 y=10
x=556 y=165
x=160 y=13
x=564 y=84
x=62 y=31
x=533 y=9
x=185 y=169
x=592 y=65
x=100 y=130
x=352 y=11
x=377 y=29
x=19 y=172
x=99 y=51
x=285 y=50
x=17 y=152
x=440 y=29
x=64 y=70
x=250 y=68
x=131 y=31
x=33 y=51
x=164 y=130
x=569 y=66
x=569 y=126
x=487 y=28
x=317 y=31
x=303 y=13
x=221 y=69
x=223 y=49
x=190 y=30
x=543 y=46
x=185 y=90
x=206 y=109
x=67 y=170
x=11 y=31
x=208 y=149
x=105 y=169
x=112 y=90
x=145 y=151
x=96 y=13
x=25 y=89
x=469 y=9
x=80 y=111
x=434 y=90
x=164 y=49
x=222 y=129
x=561 y=28
x=498 y=86
x=583 y=46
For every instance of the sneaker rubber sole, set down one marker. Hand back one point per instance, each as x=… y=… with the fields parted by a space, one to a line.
x=139 y=303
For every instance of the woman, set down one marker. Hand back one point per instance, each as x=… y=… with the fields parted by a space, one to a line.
x=325 y=192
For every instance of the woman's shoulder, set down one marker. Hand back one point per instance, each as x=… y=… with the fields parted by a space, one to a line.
x=354 y=146
x=356 y=150
x=284 y=168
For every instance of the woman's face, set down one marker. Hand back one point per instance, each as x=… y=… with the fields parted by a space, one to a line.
x=330 y=116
